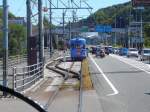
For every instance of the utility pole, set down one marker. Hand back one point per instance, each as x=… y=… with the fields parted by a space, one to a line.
x=63 y=14
x=5 y=43
x=50 y=28
x=29 y=28
x=141 y=31
x=40 y=29
x=73 y=21
x=116 y=29
x=69 y=30
x=129 y=32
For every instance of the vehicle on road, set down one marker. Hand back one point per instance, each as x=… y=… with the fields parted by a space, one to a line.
x=93 y=50
x=108 y=50
x=100 y=52
x=132 y=52
x=123 y=51
x=145 y=54
x=115 y=50
x=78 y=49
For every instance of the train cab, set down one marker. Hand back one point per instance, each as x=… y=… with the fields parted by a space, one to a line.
x=78 y=49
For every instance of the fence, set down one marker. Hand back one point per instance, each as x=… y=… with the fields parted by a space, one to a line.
x=25 y=77
x=13 y=60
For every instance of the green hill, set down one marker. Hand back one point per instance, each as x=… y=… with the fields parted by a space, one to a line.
x=122 y=13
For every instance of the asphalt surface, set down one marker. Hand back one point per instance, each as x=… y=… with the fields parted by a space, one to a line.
x=120 y=86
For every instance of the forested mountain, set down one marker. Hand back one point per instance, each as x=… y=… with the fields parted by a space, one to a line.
x=121 y=13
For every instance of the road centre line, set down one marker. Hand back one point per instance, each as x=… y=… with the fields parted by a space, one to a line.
x=106 y=78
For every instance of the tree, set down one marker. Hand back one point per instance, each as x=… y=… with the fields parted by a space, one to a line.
x=17 y=39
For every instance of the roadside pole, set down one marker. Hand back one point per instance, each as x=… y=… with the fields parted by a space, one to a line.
x=5 y=44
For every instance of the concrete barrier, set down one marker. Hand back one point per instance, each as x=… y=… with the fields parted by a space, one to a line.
x=87 y=83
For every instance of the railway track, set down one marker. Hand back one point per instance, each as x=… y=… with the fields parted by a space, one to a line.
x=66 y=73
x=48 y=92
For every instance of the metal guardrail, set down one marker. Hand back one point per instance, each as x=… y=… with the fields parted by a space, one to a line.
x=25 y=77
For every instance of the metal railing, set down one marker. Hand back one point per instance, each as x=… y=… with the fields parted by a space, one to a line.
x=13 y=60
x=25 y=77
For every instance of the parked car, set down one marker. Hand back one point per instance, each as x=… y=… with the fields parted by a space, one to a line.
x=132 y=52
x=145 y=54
x=123 y=51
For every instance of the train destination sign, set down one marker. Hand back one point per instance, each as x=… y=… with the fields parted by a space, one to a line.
x=141 y=2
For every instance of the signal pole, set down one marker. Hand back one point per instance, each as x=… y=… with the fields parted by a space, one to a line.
x=5 y=43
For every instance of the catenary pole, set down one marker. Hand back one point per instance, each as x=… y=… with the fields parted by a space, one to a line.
x=5 y=43
x=40 y=29
x=29 y=28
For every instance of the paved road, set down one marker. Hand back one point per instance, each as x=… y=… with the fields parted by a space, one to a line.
x=121 y=87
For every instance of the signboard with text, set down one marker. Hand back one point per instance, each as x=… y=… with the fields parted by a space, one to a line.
x=141 y=2
x=103 y=28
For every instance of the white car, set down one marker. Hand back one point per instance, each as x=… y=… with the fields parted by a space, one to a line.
x=132 y=52
x=145 y=55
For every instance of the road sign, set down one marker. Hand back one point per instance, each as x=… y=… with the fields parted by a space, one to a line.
x=108 y=28
x=141 y=2
x=103 y=28
x=100 y=28
x=84 y=29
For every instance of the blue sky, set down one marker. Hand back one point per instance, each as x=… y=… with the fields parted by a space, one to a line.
x=18 y=7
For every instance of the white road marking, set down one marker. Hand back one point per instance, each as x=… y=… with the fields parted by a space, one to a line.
x=130 y=64
x=105 y=77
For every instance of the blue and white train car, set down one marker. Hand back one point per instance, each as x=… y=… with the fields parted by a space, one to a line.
x=78 y=49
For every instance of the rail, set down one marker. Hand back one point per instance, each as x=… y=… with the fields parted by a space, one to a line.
x=25 y=77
